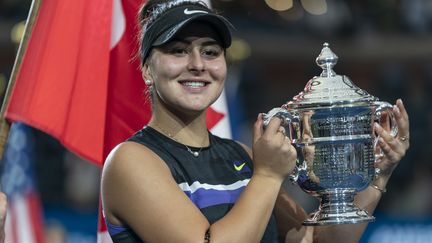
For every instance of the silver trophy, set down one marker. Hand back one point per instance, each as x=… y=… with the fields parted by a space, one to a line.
x=331 y=124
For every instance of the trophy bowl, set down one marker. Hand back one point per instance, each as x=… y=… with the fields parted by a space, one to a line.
x=331 y=125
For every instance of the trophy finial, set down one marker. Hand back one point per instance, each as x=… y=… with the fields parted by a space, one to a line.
x=326 y=60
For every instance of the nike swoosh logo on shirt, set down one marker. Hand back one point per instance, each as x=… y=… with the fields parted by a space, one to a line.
x=188 y=12
x=239 y=167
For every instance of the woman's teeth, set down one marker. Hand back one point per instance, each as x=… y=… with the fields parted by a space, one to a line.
x=194 y=84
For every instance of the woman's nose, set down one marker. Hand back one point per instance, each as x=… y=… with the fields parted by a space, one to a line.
x=196 y=62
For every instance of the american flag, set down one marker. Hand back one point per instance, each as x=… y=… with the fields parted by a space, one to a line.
x=24 y=220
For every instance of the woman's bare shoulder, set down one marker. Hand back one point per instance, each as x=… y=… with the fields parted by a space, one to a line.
x=129 y=158
x=126 y=151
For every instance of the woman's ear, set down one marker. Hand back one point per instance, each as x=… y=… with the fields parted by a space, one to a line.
x=146 y=74
x=145 y=71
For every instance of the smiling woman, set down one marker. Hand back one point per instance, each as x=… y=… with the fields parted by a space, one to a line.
x=174 y=181
x=189 y=71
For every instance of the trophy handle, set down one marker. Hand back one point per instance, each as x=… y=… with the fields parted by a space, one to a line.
x=384 y=107
x=290 y=122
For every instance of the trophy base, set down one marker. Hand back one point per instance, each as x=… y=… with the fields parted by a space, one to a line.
x=337 y=207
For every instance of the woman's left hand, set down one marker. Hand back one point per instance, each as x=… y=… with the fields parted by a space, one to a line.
x=393 y=148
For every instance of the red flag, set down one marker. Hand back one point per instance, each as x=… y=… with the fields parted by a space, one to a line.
x=80 y=79
x=62 y=84
x=128 y=109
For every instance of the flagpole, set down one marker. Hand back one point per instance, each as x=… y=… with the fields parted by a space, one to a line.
x=4 y=124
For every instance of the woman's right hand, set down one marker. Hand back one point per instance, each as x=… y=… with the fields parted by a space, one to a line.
x=273 y=154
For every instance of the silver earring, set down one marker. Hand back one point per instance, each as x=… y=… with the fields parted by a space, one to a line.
x=148 y=82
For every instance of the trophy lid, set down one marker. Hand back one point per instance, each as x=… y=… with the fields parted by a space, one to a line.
x=329 y=89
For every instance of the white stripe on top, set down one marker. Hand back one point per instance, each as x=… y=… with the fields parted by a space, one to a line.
x=197 y=185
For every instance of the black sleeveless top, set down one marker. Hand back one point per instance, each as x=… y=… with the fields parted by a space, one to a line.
x=213 y=180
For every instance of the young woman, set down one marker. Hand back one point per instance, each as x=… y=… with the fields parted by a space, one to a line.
x=173 y=181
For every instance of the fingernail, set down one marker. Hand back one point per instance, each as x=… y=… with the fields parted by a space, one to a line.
x=400 y=101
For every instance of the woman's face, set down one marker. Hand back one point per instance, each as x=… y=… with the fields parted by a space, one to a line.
x=189 y=72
